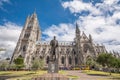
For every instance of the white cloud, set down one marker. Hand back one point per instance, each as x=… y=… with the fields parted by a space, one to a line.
x=102 y=29
x=63 y=32
x=99 y=22
x=9 y=34
x=110 y=2
x=116 y=15
x=77 y=6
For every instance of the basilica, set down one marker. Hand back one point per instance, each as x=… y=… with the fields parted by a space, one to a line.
x=74 y=53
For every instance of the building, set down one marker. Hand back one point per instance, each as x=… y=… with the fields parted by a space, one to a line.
x=74 y=53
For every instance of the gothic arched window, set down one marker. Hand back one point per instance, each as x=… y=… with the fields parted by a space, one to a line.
x=70 y=60
x=74 y=52
x=86 y=47
x=30 y=24
x=24 y=48
x=33 y=58
x=62 y=60
x=76 y=60
x=47 y=59
x=40 y=57
x=26 y=35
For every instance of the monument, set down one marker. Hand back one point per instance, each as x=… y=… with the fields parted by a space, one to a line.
x=53 y=67
x=53 y=62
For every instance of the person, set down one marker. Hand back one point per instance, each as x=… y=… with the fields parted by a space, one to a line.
x=54 y=45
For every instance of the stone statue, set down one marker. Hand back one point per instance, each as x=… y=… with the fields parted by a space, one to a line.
x=54 y=45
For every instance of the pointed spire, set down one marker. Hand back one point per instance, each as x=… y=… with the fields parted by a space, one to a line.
x=28 y=17
x=98 y=45
x=113 y=51
x=77 y=32
x=83 y=34
x=77 y=28
x=34 y=15
x=34 y=12
x=90 y=37
x=26 y=22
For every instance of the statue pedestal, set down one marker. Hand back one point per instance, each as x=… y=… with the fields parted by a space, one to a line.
x=53 y=67
x=52 y=73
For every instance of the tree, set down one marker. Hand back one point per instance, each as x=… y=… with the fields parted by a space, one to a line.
x=37 y=64
x=4 y=65
x=19 y=62
x=89 y=61
x=107 y=60
x=101 y=59
x=116 y=64
x=92 y=63
x=12 y=66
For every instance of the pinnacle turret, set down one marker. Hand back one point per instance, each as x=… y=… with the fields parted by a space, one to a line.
x=77 y=29
x=34 y=14
x=83 y=34
x=90 y=38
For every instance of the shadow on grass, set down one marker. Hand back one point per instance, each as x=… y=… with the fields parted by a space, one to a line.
x=105 y=75
x=112 y=78
x=97 y=75
x=7 y=77
x=5 y=74
x=30 y=73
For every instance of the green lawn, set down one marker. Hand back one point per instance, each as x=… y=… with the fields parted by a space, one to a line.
x=27 y=75
x=23 y=75
x=115 y=76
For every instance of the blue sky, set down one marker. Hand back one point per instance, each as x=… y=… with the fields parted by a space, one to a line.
x=100 y=18
x=49 y=12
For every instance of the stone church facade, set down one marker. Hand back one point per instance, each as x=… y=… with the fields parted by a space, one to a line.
x=74 y=53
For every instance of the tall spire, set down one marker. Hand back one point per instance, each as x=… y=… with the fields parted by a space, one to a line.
x=28 y=17
x=83 y=34
x=34 y=15
x=90 y=38
x=77 y=29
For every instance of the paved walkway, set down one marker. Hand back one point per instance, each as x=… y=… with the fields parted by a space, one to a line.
x=83 y=76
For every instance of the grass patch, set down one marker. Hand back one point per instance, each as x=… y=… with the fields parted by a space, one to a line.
x=23 y=75
x=5 y=73
x=72 y=77
x=69 y=76
x=101 y=73
x=20 y=75
x=62 y=72
x=91 y=72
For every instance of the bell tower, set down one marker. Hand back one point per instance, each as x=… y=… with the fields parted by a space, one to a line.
x=79 y=57
x=26 y=44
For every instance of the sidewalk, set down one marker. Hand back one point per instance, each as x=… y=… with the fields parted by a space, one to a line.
x=83 y=76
